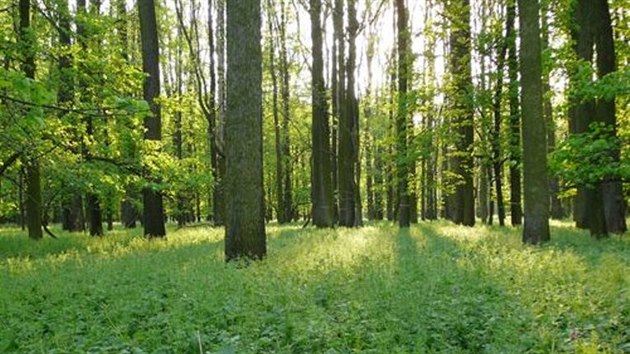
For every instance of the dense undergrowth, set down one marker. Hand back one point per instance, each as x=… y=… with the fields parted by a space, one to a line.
x=434 y=288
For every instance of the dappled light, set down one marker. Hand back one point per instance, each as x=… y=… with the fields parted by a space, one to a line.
x=435 y=287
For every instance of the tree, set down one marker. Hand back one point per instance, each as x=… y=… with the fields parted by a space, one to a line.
x=245 y=218
x=287 y=199
x=588 y=203
x=605 y=111
x=280 y=212
x=536 y=186
x=33 y=179
x=218 y=199
x=73 y=204
x=462 y=111
x=497 y=163
x=516 y=211
x=347 y=158
x=404 y=68
x=557 y=210
x=93 y=206
x=321 y=173
x=153 y=208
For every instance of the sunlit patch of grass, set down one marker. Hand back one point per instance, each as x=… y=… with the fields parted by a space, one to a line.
x=436 y=287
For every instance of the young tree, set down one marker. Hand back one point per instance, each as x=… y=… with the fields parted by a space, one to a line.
x=321 y=174
x=245 y=217
x=153 y=208
x=536 y=186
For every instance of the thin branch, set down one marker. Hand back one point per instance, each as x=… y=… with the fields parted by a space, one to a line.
x=84 y=112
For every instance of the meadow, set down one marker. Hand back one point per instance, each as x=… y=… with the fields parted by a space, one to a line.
x=435 y=288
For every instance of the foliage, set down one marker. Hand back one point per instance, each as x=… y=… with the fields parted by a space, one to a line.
x=588 y=158
x=434 y=288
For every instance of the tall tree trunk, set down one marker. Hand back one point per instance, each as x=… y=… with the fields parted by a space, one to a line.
x=178 y=141
x=153 y=208
x=557 y=211
x=392 y=168
x=212 y=107
x=33 y=196
x=516 y=211
x=321 y=176
x=536 y=184
x=581 y=111
x=589 y=202
x=93 y=205
x=73 y=206
x=404 y=70
x=245 y=218
x=348 y=153
x=218 y=199
x=287 y=187
x=279 y=186
x=497 y=158
x=460 y=66
x=614 y=203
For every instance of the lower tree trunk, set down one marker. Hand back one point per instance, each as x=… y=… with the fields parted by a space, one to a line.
x=72 y=218
x=95 y=216
x=33 y=200
x=614 y=206
x=597 y=216
x=129 y=213
x=110 y=220
x=483 y=195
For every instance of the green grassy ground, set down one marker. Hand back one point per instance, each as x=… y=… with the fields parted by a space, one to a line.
x=435 y=288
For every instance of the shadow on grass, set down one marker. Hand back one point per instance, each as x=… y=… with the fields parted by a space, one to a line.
x=437 y=304
x=566 y=237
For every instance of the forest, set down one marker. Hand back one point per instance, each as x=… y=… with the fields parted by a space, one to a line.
x=325 y=176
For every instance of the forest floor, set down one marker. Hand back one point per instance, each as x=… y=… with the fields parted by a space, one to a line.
x=434 y=288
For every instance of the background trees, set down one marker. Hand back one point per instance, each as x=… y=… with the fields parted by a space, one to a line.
x=378 y=108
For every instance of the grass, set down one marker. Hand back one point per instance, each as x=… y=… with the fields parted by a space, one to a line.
x=434 y=288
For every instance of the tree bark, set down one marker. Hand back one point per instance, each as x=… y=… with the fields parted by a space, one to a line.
x=321 y=176
x=73 y=206
x=536 y=184
x=516 y=210
x=279 y=186
x=218 y=199
x=557 y=211
x=245 y=215
x=403 y=43
x=614 y=203
x=460 y=65
x=153 y=208
x=497 y=160
x=347 y=158
x=287 y=207
x=33 y=195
